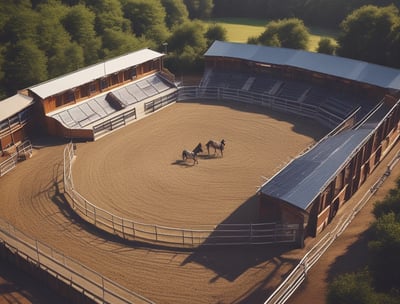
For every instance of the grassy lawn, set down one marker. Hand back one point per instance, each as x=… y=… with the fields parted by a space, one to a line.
x=240 y=29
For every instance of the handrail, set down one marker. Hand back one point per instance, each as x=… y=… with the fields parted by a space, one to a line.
x=283 y=292
x=45 y=257
x=243 y=234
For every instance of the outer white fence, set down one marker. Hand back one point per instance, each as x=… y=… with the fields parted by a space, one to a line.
x=277 y=103
x=86 y=281
x=234 y=234
x=299 y=273
x=23 y=151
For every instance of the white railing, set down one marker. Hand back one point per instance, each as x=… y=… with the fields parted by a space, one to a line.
x=299 y=273
x=277 y=103
x=22 y=151
x=223 y=234
x=88 y=282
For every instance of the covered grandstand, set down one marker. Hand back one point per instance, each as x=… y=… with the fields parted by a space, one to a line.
x=358 y=101
x=103 y=97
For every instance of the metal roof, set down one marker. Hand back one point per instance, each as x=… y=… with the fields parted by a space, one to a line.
x=346 y=68
x=305 y=177
x=97 y=71
x=13 y=105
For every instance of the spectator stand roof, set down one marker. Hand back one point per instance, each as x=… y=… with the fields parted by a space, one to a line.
x=13 y=105
x=305 y=177
x=96 y=71
x=351 y=69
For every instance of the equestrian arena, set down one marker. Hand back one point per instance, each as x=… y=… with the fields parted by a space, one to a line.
x=137 y=172
x=136 y=176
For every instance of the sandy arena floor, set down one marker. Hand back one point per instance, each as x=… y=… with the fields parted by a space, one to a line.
x=138 y=172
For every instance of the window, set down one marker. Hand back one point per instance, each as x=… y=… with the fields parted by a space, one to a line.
x=133 y=73
x=69 y=96
x=104 y=83
x=59 y=101
x=114 y=79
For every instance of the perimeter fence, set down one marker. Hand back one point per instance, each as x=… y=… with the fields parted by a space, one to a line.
x=299 y=273
x=282 y=104
x=72 y=273
x=21 y=152
x=206 y=235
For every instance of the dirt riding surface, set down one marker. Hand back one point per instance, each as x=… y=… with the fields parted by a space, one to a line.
x=137 y=173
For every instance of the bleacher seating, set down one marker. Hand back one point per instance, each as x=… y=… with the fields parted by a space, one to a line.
x=292 y=96
x=263 y=84
x=91 y=110
x=292 y=90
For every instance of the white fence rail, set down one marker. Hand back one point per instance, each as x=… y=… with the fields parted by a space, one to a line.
x=281 y=104
x=223 y=234
x=299 y=273
x=22 y=152
x=84 y=280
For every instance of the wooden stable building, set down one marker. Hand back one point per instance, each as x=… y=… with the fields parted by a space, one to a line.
x=100 y=96
x=357 y=101
x=15 y=118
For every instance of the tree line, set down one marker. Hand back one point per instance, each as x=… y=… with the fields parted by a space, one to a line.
x=42 y=39
x=323 y=13
x=379 y=281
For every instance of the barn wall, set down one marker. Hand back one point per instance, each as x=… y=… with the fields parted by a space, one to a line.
x=354 y=173
x=13 y=130
x=272 y=209
x=98 y=86
x=55 y=128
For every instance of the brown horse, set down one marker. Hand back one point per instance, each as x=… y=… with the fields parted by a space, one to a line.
x=186 y=154
x=216 y=145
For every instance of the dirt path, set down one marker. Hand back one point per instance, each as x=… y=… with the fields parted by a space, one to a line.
x=349 y=251
x=138 y=172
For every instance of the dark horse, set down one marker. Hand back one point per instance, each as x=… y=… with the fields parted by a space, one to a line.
x=186 y=154
x=216 y=145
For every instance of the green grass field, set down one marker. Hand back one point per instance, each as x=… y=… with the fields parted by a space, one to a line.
x=240 y=29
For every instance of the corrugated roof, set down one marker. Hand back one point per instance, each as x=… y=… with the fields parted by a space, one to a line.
x=304 y=178
x=88 y=74
x=14 y=105
x=346 y=68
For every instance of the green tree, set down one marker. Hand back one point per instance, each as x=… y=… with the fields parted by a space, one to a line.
x=288 y=33
x=176 y=12
x=55 y=41
x=3 y=93
x=199 y=9
x=215 y=32
x=186 y=46
x=394 y=49
x=109 y=15
x=21 y=25
x=147 y=18
x=366 y=34
x=326 y=46
x=66 y=59
x=353 y=288
x=25 y=65
x=390 y=204
x=385 y=251
x=80 y=24
x=116 y=43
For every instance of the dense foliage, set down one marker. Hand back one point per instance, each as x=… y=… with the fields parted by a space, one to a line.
x=287 y=33
x=379 y=282
x=42 y=39
x=323 y=13
x=372 y=34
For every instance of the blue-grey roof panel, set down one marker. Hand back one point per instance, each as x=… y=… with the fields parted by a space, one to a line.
x=302 y=180
x=346 y=68
x=96 y=71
